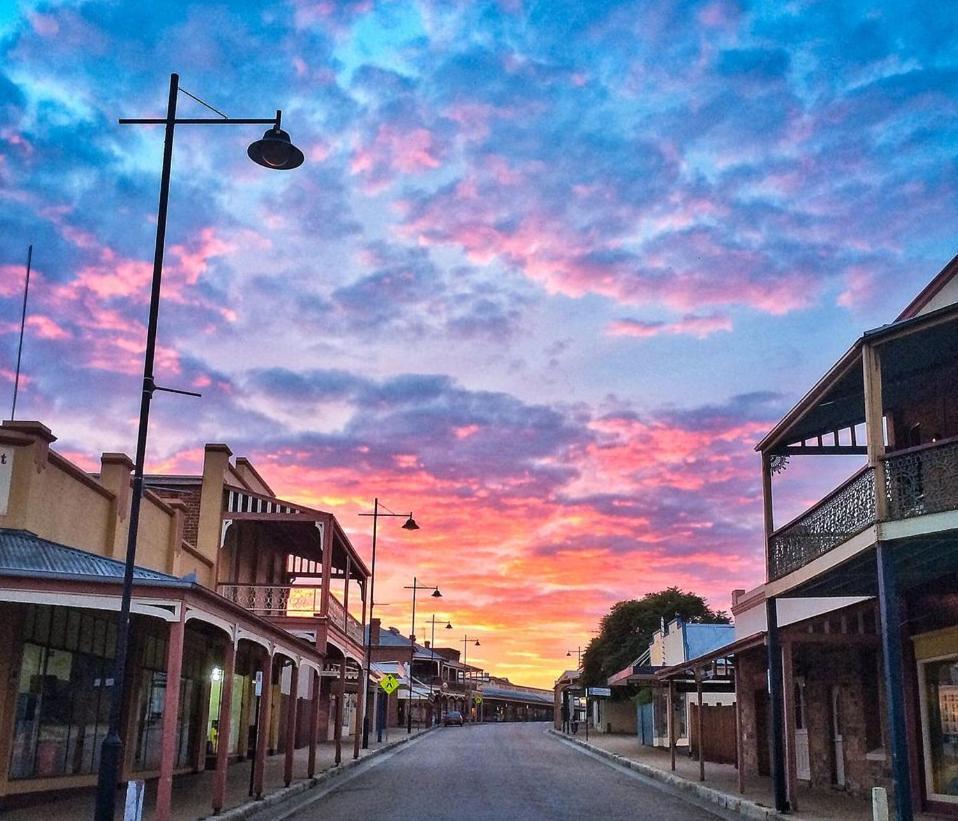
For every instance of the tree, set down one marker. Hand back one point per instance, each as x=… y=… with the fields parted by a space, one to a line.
x=628 y=627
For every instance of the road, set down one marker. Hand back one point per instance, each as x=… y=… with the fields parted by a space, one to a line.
x=497 y=772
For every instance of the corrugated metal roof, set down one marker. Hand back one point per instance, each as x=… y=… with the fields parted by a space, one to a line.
x=516 y=695
x=23 y=553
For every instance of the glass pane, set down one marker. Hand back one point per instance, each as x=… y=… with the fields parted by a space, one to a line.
x=55 y=714
x=941 y=692
x=27 y=712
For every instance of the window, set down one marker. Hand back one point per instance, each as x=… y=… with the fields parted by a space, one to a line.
x=940 y=720
x=63 y=694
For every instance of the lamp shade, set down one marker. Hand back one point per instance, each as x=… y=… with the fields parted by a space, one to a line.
x=410 y=524
x=477 y=643
x=449 y=625
x=275 y=150
x=436 y=594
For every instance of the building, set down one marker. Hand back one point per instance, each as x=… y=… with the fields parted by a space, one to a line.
x=673 y=644
x=439 y=681
x=501 y=700
x=245 y=635
x=846 y=658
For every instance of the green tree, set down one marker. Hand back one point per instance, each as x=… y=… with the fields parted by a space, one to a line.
x=627 y=629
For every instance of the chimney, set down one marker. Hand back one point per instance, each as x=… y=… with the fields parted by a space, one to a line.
x=374 y=627
x=736 y=595
x=427 y=645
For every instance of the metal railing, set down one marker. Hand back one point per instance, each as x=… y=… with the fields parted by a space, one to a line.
x=291 y=601
x=845 y=512
x=918 y=481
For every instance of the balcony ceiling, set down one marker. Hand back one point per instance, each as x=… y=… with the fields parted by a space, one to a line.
x=912 y=352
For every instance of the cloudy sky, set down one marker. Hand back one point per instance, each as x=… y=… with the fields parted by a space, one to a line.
x=548 y=273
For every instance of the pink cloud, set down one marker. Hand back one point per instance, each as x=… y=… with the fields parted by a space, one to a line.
x=698 y=326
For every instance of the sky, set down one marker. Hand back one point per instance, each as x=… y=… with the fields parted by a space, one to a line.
x=549 y=272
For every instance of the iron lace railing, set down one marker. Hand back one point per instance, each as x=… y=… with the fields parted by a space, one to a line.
x=291 y=601
x=918 y=481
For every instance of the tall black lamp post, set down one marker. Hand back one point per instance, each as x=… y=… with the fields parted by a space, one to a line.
x=412 y=639
x=578 y=654
x=465 y=645
x=274 y=150
x=409 y=524
x=432 y=652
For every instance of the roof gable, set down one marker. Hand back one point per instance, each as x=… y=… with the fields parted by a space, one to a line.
x=941 y=291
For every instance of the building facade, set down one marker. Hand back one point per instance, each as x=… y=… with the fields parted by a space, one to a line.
x=247 y=635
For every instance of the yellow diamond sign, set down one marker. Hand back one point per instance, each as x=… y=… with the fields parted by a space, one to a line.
x=389 y=683
x=478 y=699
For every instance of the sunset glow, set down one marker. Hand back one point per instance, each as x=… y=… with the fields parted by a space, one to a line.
x=548 y=273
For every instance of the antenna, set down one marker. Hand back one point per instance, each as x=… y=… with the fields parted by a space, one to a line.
x=23 y=322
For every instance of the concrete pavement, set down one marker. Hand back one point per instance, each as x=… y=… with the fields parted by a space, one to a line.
x=498 y=772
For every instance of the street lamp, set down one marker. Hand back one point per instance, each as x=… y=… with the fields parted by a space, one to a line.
x=465 y=644
x=409 y=524
x=412 y=639
x=432 y=649
x=276 y=151
x=578 y=652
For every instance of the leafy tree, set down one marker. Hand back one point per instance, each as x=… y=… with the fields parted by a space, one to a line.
x=627 y=630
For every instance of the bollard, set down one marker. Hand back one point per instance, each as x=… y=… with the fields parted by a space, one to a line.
x=133 y=808
x=879 y=804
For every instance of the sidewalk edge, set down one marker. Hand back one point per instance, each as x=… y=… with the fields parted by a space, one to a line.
x=733 y=803
x=254 y=807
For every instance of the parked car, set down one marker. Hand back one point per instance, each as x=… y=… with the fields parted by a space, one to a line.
x=452 y=717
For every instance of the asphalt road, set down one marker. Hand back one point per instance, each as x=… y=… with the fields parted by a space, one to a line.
x=497 y=772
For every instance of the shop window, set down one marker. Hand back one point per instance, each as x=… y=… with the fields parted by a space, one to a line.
x=63 y=692
x=940 y=720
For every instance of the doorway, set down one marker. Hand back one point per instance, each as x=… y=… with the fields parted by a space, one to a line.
x=838 y=741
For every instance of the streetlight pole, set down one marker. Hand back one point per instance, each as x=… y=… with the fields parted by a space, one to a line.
x=412 y=639
x=409 y=524
x=274 y=151
x=432 y=651
x=465 y=644
x=578 y=652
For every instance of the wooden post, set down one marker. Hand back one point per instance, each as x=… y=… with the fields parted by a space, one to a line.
x=314 y=725
x=671 y=722
x=340 y=696
x=171 y=710
x=700 y=724
x=262 y=726
x=776 y=717
x=739 y=753
x=767 y=509
x=360 y=706
x=223 y=728
x=788 y=694
x=874 y=426
x=291 y=725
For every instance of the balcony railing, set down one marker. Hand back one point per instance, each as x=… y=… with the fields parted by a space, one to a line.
x=845 y=512
x=291 y=601
x=918 y=481
x=922 y=480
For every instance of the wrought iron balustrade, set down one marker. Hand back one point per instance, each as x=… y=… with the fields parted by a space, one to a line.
x=273 y=599
x=845 y=512
x=346 y=622
x=922 y=480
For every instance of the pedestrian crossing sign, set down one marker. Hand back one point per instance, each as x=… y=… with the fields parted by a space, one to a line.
x=389 y=683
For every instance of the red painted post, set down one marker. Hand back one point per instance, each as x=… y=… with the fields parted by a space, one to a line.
x=171 y=709
x=262 y=726
x=314 y=726
x=340 y=697
x=291 y=725
x=223 y=728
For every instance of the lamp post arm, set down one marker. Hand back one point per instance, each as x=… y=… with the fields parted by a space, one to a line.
x=199 y=121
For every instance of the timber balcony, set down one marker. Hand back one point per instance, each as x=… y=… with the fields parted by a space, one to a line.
x=289 y=601
x=917 y=481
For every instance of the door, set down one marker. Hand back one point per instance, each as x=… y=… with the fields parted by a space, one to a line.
x=803 y=759
x=762 y=735
x=838 y=771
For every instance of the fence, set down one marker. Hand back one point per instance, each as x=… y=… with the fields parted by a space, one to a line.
x=718 y=730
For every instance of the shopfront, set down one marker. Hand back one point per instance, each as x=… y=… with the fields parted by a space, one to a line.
x=936 y=656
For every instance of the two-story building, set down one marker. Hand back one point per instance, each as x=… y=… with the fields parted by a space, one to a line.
x=846 y=658
x=245 y=636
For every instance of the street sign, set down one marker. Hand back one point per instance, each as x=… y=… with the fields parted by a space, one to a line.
x=389 y=683
x=478 y=699
x=600 y=691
